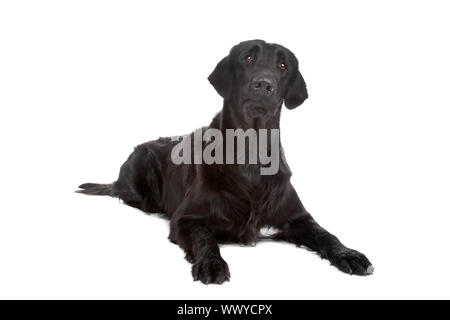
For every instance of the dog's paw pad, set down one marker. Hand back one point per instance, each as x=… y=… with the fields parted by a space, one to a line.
x=370 y=270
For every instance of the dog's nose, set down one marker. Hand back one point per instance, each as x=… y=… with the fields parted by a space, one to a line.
x=263 y=86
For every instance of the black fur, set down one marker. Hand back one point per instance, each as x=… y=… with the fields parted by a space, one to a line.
x=212 y=204
x=96 y=189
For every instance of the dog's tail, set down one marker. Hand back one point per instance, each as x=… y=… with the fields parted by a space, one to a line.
x=96 y=189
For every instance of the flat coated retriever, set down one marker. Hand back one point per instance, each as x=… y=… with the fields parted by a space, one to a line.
x=214 y=203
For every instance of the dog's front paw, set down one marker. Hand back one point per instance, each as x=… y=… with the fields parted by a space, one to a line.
x=351 y=262
x=211 y=270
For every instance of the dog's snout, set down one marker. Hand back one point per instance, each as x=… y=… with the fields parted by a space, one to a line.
x=263 y=86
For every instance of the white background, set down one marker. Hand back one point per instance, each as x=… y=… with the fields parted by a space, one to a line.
x=83 y=82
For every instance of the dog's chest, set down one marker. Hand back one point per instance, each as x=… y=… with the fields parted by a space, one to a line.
x=246 y=205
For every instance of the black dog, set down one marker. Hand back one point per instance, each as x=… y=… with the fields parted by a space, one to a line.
x=215 y=203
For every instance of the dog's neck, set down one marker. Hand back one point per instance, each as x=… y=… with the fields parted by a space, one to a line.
x=231 y=117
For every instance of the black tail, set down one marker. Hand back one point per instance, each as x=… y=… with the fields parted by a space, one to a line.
x=96 y=189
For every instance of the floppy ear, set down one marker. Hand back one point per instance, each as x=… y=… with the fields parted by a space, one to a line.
x=296 y=92
x=221 y=78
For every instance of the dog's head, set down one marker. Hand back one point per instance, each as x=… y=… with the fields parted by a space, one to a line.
x=257 y=77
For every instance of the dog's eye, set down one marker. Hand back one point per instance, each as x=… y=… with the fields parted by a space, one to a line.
x=282 y=66
x=249 y=59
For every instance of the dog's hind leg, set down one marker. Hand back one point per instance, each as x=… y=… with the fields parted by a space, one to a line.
x=138 y=184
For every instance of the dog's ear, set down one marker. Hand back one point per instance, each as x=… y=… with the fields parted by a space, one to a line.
x=221 y=78
x=296 y=92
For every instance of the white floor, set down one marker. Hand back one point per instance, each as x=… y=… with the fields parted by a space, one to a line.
x=94 y=247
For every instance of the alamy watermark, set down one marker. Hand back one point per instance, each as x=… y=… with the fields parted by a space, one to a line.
x=240 y=147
